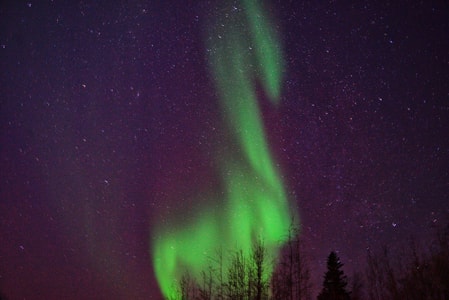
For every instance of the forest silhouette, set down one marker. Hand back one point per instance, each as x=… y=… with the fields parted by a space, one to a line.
x=413 y=272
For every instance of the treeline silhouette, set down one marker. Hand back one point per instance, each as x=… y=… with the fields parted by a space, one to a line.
x=413 y=272
x=416 y=273
x=246 y=276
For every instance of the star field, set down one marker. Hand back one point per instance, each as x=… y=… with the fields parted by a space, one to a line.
x=110 y=124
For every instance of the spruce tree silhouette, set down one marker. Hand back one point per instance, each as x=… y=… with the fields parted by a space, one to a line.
x=334 y=285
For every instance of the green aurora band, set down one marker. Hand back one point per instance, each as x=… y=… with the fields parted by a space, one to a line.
x=245 y=50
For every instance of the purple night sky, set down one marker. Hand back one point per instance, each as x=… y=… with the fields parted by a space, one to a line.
x=110 y=118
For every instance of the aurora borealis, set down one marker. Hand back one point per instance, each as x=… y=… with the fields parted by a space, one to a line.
x=255 y=204
x=123 y=130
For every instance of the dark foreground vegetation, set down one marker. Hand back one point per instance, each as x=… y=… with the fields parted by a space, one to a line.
x=412 y=273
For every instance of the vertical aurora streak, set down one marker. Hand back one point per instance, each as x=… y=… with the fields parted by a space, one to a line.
x=245 y=51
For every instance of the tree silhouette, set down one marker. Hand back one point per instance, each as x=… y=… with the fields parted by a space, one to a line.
x=415 y=273
x=291 y=278
x=258 y=285
x=357 y=286
x=334 y=285
x=237 y=277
